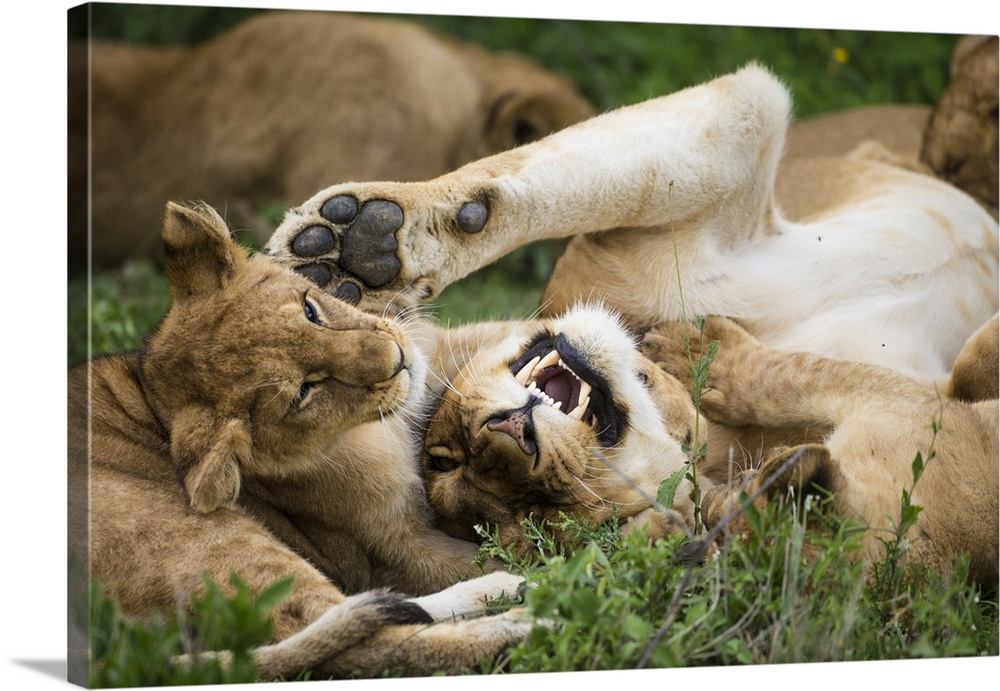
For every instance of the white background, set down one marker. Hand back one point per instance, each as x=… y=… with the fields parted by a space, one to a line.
x=33 y=165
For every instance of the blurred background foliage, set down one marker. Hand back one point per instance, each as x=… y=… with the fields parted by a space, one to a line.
x=612 y=63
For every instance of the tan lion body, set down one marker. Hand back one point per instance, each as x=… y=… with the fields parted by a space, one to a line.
x=671 y=205
x=877 y=422
x=262 y=430
x=280 y=105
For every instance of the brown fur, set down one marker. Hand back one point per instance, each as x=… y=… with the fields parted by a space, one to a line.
x=245 y=437
x=280 y=105
x=960 y=142
x=478 y=474
x=977 y=369
x=878 y=422
x=689 y=176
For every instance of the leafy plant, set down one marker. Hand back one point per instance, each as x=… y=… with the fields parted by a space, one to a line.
x=125 y=652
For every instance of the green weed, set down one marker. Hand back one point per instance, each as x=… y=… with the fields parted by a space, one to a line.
x=125 y=652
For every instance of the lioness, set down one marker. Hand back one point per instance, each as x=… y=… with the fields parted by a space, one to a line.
x=573 y=415
x=898 y=270
x=877 y=421
x=262 y=429
x=561 y=415
x=285 y=102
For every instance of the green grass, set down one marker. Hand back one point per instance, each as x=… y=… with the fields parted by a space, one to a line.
x=127 y=653
x=792 y=589
x=759 y=599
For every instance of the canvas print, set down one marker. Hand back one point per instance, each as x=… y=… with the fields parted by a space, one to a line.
x=410 y=345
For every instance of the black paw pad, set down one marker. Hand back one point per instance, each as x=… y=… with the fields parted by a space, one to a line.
x=339 y=209
x=368 y=246
x=349 y=293
x=320 y=274
x=472 y=217
x=313 y=241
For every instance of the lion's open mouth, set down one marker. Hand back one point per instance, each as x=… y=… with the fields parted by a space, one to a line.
x=555 y=373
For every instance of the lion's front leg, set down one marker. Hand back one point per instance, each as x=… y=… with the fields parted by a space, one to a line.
x=666 y=160
x=752 y=384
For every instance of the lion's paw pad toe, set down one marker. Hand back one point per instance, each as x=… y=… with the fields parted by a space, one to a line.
x=361 y=242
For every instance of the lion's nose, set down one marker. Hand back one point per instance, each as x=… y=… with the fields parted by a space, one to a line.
x=518 y=425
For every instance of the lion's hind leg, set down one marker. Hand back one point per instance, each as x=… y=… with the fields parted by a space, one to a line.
x=378 y=630
x=342 y=626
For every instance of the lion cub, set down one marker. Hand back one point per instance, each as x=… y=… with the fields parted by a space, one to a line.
x=260 y=431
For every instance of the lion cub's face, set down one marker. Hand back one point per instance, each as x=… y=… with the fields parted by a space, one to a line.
x=572 y=419
x=254 y=370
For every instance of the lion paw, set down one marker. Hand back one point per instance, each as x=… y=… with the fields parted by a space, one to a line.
x=345 y=247
x=375 y=245
x=677 y=347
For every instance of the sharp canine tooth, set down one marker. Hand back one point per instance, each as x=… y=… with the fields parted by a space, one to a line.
x=585 y=390
x=557 y=405
x=522 y=376
x=549 y=360
x=577 y=412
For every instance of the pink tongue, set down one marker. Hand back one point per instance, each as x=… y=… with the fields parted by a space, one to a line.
x=560 y=388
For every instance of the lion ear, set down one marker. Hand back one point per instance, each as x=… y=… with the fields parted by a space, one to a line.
x=200 y=254
x=523 y=105
x=521 y=118
x=209 y=458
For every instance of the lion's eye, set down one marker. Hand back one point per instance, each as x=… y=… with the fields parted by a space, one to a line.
x=306 y=391
x=443 y=464
x=312 y=314
x=440 y=459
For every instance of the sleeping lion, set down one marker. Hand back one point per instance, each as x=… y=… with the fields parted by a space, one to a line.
x=285 y=101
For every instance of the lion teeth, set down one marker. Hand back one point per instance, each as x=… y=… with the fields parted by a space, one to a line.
x=528 y=374
x=526 y=371
x=543 y=397
x=577 y=412
x=549 y=360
